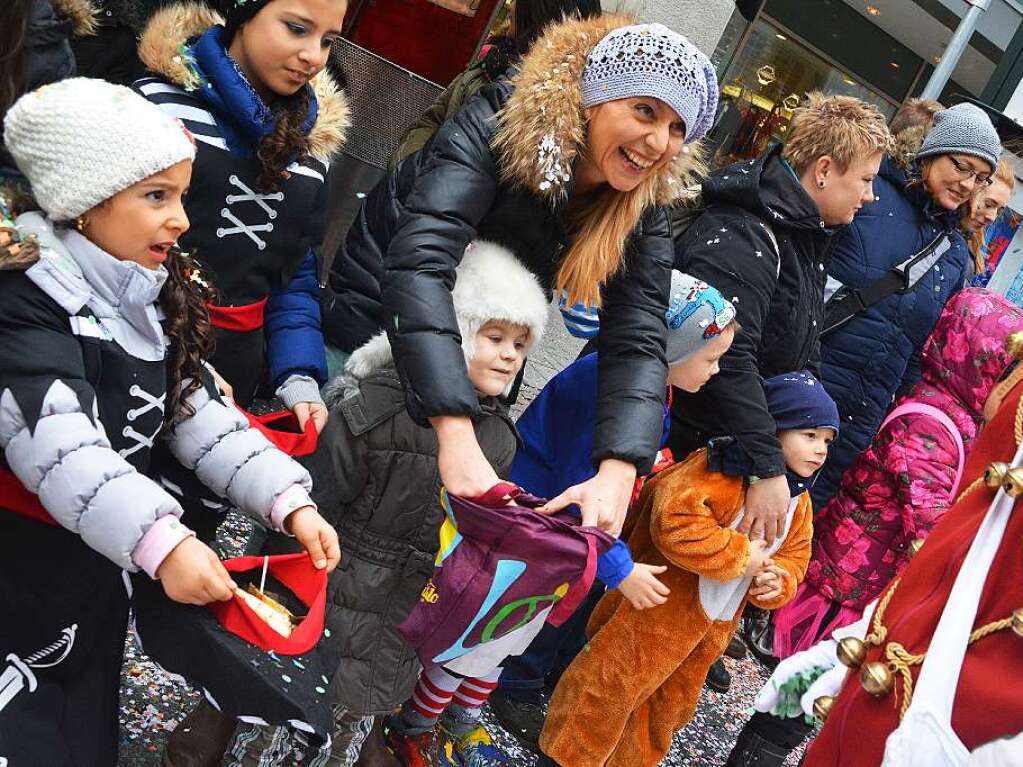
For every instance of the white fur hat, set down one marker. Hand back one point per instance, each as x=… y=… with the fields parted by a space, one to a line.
x=81 y=141
x=490 y=284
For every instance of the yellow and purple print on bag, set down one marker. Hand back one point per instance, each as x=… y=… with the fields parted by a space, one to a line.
x=502 y=571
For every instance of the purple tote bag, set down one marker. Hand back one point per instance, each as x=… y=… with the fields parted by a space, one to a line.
x=502 y=572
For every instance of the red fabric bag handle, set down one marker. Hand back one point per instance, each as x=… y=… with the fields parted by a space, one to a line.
x=281 y=428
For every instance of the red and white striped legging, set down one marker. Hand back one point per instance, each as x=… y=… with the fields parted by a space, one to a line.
x=437 y=688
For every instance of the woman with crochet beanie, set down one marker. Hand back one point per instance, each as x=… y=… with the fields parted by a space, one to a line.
x=567 y=165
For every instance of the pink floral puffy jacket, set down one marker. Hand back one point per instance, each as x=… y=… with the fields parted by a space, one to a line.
x=899 y=487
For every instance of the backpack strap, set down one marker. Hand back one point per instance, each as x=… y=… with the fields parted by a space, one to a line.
x=920 y=408
x=845 y=303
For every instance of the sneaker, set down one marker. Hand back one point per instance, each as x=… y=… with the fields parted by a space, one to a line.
x=522 y=718
x=418 y=750
x=718 y=678
x=474 y=749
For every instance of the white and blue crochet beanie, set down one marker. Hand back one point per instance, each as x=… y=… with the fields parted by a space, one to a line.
x=652 y=60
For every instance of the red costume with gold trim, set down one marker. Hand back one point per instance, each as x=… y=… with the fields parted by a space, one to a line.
x=988 y=704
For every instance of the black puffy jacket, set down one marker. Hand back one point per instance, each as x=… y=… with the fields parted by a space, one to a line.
x=398 y=263
x=780 y=305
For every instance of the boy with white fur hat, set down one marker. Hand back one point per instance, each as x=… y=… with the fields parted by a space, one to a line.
x=376 y=477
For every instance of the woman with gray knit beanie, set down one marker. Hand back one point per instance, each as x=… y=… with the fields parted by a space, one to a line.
x=873 y=356
x=567 y=164
x=869 y=359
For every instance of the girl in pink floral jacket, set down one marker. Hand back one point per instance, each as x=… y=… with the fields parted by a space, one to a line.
x=900 y=486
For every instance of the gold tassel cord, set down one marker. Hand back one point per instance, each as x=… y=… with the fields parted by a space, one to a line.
x=1017 y=433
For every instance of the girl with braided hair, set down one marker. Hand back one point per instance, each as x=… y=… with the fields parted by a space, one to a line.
x=104 y=333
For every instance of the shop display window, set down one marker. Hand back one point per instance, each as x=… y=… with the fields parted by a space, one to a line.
x=765 y=81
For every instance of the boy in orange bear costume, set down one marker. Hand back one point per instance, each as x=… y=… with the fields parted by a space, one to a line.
x=641 y=674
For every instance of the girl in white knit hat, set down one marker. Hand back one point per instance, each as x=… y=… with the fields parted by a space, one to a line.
x=103 y=333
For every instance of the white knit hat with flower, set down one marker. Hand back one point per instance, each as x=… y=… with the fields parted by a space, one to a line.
x=81 y=141
x=652 y=60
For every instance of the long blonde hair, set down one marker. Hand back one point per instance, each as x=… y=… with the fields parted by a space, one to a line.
x=602 y=229
x=542 y=129
x=1004 y=173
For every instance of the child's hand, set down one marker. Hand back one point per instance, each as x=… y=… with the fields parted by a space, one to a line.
x=642 y=588
x=316 y=535
x=758 y=557
x=768 y=584
x=193 y=574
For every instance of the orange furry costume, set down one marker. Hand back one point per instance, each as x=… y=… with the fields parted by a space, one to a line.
x=639 y=678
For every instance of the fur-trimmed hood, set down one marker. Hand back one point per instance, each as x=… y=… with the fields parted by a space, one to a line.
x=81 y=14
x=490 y=285
x=542 y=127
x=162 y=46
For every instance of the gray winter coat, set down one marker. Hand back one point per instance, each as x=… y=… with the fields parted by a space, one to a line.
x=376 y=479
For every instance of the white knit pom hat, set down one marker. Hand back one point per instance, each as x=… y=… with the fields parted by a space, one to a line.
x=81 y=141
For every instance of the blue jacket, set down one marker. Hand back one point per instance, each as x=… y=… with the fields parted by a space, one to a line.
x=557 y=439
x=865 y=362
x=294 y=343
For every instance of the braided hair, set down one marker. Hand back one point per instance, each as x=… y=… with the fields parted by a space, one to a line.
x=184 y=299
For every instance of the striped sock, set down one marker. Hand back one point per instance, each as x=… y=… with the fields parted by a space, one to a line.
x=431 y=696
x=463 y=715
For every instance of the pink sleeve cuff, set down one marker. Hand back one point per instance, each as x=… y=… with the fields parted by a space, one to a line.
x=292 y=499
x=166 y=533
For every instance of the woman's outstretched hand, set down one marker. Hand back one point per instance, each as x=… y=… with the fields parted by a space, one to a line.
x=603 y=499
x=464 y=470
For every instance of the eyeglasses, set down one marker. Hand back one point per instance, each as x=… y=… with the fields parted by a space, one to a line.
x=966 y=171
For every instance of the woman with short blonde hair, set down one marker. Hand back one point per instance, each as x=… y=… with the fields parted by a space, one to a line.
x=762 y=241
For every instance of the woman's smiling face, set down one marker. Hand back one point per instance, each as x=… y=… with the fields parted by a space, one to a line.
x=628 y=140
x=953 y=179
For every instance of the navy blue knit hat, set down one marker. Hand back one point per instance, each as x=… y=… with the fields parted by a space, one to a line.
x=799 y=401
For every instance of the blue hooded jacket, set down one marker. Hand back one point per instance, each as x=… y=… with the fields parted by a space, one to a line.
x=557 y=439
x=866 y=361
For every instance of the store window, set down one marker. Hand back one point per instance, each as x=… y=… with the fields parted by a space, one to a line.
x=763 y=84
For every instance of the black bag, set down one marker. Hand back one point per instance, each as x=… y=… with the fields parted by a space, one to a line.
x=845 y=303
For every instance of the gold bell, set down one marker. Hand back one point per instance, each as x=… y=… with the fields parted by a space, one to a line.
x=1017 y=621
x=915 y=545
x=1014 y=344
x=877 y=678
x=851 y=652
x=822 y=706
x=994 y=475
x=1013 y=482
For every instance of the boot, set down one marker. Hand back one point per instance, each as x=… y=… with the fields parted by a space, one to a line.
x=736 y=648
x=751 y=750
x=375 y=752
x=718 y=678
x=200 y=740
x=520 y=716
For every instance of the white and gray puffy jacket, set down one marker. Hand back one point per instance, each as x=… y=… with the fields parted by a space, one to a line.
x=52 y=433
